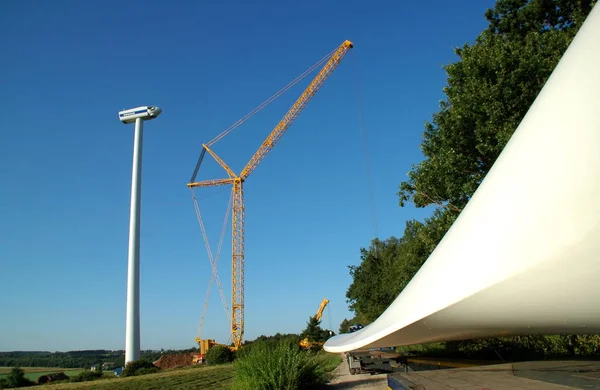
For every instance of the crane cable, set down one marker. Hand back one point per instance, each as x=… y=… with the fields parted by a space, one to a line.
x=365 y=150
x=271 y=99
x=213 y=260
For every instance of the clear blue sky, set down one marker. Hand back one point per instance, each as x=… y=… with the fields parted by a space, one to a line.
x=69 y=66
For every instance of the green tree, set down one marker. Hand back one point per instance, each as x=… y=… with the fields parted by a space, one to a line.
x=387 y=266
x=139 y=367
x=345 y=325
x=313 y=330
x=489 y=90
x=374 y=280
x=87 y=375
x=16 y=378
x=219 y=354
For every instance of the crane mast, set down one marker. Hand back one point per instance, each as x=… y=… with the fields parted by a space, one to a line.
x=237 y=181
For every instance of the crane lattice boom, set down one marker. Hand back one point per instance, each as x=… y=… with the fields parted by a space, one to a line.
x=237 y=260
x=324 y=303
x=295 y=110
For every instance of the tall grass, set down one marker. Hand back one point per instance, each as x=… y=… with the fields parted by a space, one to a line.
x=329 y=361
x=283 y=366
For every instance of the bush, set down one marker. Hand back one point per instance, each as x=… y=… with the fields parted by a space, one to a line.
x=283 y=366
x=86 y=376
x=147 y=370
x=219 y=354
x=16 y=378
x=139 y=367
x=53 y=377
x=513 y=348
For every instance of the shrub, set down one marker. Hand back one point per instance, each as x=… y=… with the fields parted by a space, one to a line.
x=513 y=348
x=53 y=377
x=219 y=354
x=86 y=376
x=244 y=351
x=283 y=366
x=16 y=378
x=147 y=370
x=139 y=367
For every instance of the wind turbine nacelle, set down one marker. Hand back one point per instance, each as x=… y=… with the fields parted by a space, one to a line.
x=144 y=112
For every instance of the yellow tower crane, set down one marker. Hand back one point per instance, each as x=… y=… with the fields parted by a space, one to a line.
x=237 y=181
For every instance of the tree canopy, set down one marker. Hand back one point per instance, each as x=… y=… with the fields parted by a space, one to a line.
x=314 y=332
x=387 y=266
x=488 y=92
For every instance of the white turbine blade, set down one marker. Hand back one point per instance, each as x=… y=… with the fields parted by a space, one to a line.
x=524 y=255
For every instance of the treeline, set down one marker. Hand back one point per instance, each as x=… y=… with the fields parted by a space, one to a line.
x=70 y=359
x=276 y=338
x=73 y=359
x=489 y=90
x=313 y=333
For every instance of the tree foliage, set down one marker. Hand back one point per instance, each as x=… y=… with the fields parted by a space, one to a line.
x=219 y=354
x=314 y=332
x=16 y=378
x=139 y=367
x=489 y=90
x=387 y=266
x=73 y=359
x=345 y=325
x=87 y=376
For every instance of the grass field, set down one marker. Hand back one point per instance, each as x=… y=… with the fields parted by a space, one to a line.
x=205 y=377
x=33 y=373
x=196 y=377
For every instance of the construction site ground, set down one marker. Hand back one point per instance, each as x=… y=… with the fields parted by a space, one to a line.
x=518 y=376
x=344 y=380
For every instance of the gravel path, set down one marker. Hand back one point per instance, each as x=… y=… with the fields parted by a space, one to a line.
x=343 y=379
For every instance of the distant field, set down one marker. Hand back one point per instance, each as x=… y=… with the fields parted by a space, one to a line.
x=205 y=377
x=33 y=373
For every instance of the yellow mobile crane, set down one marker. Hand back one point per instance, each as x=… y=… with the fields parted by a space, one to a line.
x=305 y=343
x=237 y=204
x=203 y=346
x=319 y=314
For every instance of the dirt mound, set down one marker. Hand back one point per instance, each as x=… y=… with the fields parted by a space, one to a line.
x=174 y=360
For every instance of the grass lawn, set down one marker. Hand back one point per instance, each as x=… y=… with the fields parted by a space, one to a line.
x=199 y=377
x=33 y=373
x=195 y=377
